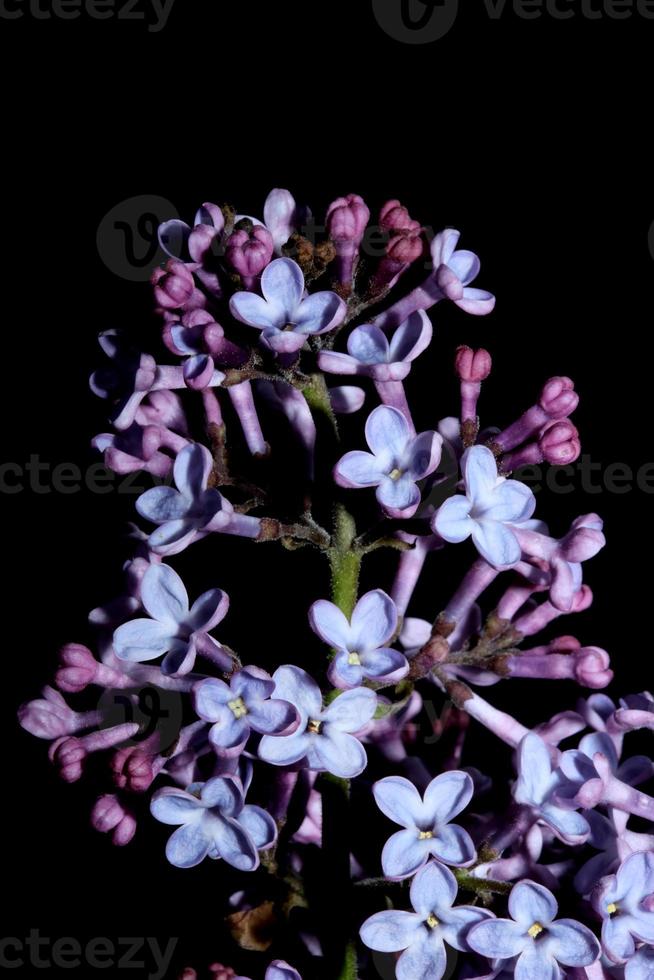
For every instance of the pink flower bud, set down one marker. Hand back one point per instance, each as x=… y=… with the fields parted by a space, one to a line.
x=560 y=443
x=220 y=972
x=565 y=644
x=395 y=218
x=593 y=667
x=132 y=770
x=347 y=219
x=48 y=717
x=473 y=365
x=109 y=814
x=173 y=285
x=188 y=974
x=68 y=755
x=558 y=398
x=78 y=668
x=250 y=250
x=405 y=247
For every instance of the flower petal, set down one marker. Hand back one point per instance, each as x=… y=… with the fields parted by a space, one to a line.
x=161 y=504
x=424 y=454
x=575 y=943
x=210 y=697
x=319 y=312
x=535 y=771
x=350 y=711
x=387 y=432
x=341 y=754
x=172 y=537
x=347 y=399
x=479 y=468
x=256 y=312
x=388 y=932
x=282 y=284
x=163 y=595
x=411 y=337
x=498 y=938
x=358 y=469
x=530 y=902
x=259 y=825
x=447 y=795
x=280 y=970
x=229 y=734
x=453 y=845
x=399 y=800
x=423 y=960
x=536 y=963
x=569 y=825
x=496 y=543
x=399 y=498
x=295 y=685
x=207 y=611
x=175 y=807
x=368 y=345
x=374 y=620
x=330 y=624
x=384 y=663
x=465 y=265
x=452 y=519
x=192 y=469
x=141 y=640
x=234 y=844
x=477 y=301
x=511 y=501
x=404 y=854
x=224 y=793
x=188 y=846
x=273 y=717
x=457 y=922
x=284 y=750
x=433 y=889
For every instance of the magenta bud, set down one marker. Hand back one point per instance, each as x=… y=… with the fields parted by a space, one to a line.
x=249 y=251
x=593 y=667
x=173 y=285
x=449 y=283
x=188 y=973
x=347 y=218
x=583 y=599
x=559 y=398
x=473 y=365
x=395 y=218
x=405 y=247
x=565 y=644
x=132 y=770
x=220 y=972
x=68 y=755
x=108 y=815
x=78 y=668
x=560 y=443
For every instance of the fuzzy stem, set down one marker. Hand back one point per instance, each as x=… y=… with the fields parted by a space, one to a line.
x=345 y=561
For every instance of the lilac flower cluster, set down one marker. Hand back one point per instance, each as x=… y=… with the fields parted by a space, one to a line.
x=263 y=314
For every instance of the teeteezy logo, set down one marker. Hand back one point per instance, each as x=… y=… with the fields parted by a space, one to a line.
x=416 y=21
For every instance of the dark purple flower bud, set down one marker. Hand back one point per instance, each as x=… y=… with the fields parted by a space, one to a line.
x=78 y=668
x=133 y=769
x=405 y=247
x=250 y=250
x=108 y=815
x=220 y=972
x=559 y=444
x=395 y=218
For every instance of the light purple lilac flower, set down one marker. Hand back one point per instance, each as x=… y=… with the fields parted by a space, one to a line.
x=533 y=934
x=214 y=822
x=490 y=506
x=537 y=787
x=283 y=314
x=428 y=832
x=641 y=965
x=372 y=354
x=361 y=642
x=624 y=902
x=173 y=630
x=242 y=705
x=398 y=459
x=324 y=739
x=422 y=934
x=193 y=509
x=455 y=270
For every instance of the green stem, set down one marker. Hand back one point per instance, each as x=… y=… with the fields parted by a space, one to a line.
x=350 y=969
x=345 y=561
x=318 y=400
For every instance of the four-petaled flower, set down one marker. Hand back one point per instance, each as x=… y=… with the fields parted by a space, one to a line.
x=621 y=902
x=213 y=822
x=243 y=704
x=422 y=934
x=323 y=739
x=361 y=642
x=283 y=315
x=535 y=936
x=490 y=506
x=428 y=832
x=455 y=270
x=398 y=459
x=184 y=512
x=372 y=354
x=173 y=629
x=537 y=786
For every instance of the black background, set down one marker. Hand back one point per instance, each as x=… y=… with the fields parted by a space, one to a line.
x=530 y=136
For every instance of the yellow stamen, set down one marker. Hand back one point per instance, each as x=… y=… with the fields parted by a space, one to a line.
x=535 y=930
x=237 y=707
x=432 y=921
x=425 y=835
x=314 y=727
x=612 y=908
x=395 y=474
x=354 y=660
